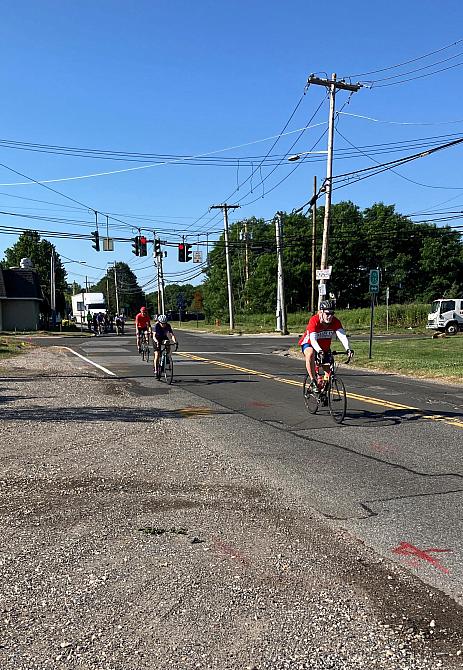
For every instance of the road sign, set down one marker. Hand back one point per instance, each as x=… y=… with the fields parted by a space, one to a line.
x=197 y=256
x=322 y=289
x=374 y=281
x=324 y=274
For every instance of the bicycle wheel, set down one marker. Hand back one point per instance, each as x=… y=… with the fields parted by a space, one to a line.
x=143 y=351
x=310 y=399
x=147 y=354
x=168 y=368
x=337 y=400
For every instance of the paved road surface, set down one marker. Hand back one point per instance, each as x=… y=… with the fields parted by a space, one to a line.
x=392 y=474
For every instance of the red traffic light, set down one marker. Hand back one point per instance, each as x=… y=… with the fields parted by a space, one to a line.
x=181 y=253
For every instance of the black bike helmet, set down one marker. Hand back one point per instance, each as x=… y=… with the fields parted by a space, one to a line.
x=327 y=305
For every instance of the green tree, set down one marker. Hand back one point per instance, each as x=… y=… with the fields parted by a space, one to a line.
x=29 y=245
x=131 y=296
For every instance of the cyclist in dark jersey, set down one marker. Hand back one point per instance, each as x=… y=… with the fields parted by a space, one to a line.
x=162 y=331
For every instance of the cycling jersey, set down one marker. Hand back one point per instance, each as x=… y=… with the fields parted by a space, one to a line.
x=322 y=333
x=160 y=333
x=142 y=321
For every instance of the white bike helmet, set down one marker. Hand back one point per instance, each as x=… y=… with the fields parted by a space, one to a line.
x=162 y=318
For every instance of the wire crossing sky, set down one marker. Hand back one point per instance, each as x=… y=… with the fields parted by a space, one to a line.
x=141 y=116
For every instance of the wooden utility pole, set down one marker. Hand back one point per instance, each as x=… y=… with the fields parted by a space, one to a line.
x=281 y=304
x=116 y=290
x=225 y=207
x=161 y=285
x=333 y=85
x=314 y=246
x=246 y=252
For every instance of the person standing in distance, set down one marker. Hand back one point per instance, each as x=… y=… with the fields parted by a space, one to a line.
x=316 y=340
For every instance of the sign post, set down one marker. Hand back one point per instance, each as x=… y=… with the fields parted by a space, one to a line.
x=374 y=290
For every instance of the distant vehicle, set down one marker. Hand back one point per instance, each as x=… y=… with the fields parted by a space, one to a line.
x=446 y=315
x=84 y=302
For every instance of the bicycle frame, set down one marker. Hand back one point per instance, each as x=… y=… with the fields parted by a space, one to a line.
x=331 y=391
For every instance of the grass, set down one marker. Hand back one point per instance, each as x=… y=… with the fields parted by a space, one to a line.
x=12 y=347
x=440 y=358
x=402 y=318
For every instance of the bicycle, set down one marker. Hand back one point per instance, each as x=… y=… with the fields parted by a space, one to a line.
x=166 y=364
x=144 y=347
x=331 y=393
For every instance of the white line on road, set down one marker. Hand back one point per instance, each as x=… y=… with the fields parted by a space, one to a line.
x=231 y=353
x=87 y=360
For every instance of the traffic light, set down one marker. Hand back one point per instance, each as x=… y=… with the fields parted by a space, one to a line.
x=181 y=252
x=136 y=246
x=188 y=252
x=96 y=240
x=142 y=241
x=157 y=247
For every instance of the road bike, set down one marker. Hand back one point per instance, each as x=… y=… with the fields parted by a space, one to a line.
x=144 y=348
x=165 y=362
x=331 y=390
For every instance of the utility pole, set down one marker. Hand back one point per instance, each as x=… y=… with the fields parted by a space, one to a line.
x=225 y=209
x=333 y=85
x=246 y=252
x=116 y=289
x=161 y=284
x=314 y=245
x=107 y=291
x=281 y=304
x=52 y=289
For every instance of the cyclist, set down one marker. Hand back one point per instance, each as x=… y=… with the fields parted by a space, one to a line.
x=162 y=331
x=316 y=341
x=142 y=325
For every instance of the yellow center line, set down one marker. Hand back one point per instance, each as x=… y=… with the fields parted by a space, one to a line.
x=388 y=404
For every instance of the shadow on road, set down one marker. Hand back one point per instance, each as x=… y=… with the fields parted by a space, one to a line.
x=395 y=416
x=89 y=414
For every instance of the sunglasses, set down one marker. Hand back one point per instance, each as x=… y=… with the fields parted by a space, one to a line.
x=328 y=313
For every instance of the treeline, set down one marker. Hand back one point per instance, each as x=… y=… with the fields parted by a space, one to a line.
x=418 y=261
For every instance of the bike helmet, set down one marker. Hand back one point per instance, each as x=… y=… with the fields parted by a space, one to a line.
x=143 y=309
x=327 y=305
x=162 y=318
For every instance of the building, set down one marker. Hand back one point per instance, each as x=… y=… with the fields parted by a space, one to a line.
x=20 y=299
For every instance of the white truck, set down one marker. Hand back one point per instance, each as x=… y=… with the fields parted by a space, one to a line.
x=83 y=303
x=446 y=315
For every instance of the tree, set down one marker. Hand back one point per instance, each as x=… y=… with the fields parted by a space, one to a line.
x=130 y=295
x=29 y=245
x=418 y=261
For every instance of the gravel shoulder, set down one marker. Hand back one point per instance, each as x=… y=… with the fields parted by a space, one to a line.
x=135 y=537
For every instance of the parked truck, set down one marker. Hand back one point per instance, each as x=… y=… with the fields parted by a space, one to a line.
x=84 y=302
x=446 y=315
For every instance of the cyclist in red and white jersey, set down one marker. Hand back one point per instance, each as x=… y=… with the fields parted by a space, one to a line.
x=142 y=325
x=319 y=332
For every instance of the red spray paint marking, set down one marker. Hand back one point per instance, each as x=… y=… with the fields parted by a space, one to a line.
x=228 y=550
x=410 y=551
x=259 y=403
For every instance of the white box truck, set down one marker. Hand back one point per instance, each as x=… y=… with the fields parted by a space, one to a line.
x=446 y=315
x=84 y=302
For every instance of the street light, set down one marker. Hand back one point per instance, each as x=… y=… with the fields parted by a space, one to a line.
x=296 y=157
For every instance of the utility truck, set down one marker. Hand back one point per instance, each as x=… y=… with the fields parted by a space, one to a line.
x=84 y=302
x=446 y=315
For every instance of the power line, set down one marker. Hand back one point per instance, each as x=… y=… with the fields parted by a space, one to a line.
x=407 y=62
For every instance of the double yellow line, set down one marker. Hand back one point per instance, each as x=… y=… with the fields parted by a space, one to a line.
x=457 y=423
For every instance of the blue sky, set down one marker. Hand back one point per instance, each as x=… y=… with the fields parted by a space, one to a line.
x=197 y=78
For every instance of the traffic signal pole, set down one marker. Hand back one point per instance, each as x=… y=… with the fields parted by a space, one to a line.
x=225 y=209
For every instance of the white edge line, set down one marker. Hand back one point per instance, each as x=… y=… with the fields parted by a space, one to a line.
x=108 y=372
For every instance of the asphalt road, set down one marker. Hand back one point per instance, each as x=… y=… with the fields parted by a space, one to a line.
x=391 y=475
